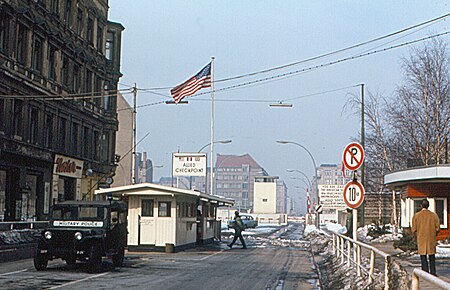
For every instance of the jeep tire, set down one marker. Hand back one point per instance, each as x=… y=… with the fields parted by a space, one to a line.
x=117 y=259
x=95 y=259
x=40 y=261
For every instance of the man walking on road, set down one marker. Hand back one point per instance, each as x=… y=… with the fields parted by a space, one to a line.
x=425 y=225
x=238 y=228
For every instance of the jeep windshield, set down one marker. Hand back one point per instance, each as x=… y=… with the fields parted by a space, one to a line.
x=78 y=212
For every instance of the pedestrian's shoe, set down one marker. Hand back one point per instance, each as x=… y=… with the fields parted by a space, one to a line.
x=244 y=247
x=230 y=246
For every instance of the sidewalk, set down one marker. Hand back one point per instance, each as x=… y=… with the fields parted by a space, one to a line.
x=409 y=263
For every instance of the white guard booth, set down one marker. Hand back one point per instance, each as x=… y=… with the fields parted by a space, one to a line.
x=168 y=218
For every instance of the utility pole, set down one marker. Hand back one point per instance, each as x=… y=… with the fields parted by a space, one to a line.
x=133 y=155
x=362 y=144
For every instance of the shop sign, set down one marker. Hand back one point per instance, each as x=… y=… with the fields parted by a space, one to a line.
x=67 y=166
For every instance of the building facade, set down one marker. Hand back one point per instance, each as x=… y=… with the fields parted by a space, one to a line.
x=59 y=70
x=124 y=143
x=265 y=194
x=144 y=168
x=234 y=178
x=282 y=197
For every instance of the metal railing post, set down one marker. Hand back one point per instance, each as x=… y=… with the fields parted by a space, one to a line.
x=372 y=266
x=349 y=253
x=387 y=274
x=334 y=244
x=415 y=282
x=358 y=258
x=338 y=239
x=342 y=251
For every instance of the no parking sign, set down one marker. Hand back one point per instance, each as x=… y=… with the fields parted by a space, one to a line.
x=353 y=156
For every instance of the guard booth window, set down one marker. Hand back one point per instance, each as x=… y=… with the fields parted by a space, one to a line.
x=164 y=209
x=147 y=207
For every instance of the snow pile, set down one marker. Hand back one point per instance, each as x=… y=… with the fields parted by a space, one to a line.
x=18 y=237
x=312 y=230
x=364 y=234
x=336 y=228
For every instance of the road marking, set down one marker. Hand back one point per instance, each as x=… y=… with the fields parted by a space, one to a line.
x=206 y=257
x=78 y=281
x=15 y=272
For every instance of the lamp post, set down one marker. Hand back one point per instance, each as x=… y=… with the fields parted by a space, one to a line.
x=315 y=169
x=212 y=157
x=308 y=185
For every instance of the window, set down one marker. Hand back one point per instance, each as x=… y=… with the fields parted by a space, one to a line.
x=49 y=123
x=90 y=31
x=2 y=115
x=109 y=46
x=75 y=135
x=54 y=7
x=417 y=205
x=76 y=78
x=4 y=28
x=96 y=145
x=52 y=62
x=18 y=117
x=264 y=200
x=79 y=21
x=440 y=208
x=22 y=44
x=37 y=54
x=98 y=92
x=62 y=134
x=88 y=82
x=65 y=71
x=99 y=38
x=147 y=207
x=34 y=125
x=67 y=10
x=164 y=209
x=87 y=142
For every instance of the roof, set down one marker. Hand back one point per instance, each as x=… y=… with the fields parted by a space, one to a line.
x=157 y=189
x=434 y=173
x=236 y=161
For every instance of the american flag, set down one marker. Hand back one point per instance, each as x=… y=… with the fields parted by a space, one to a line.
x=192 y=85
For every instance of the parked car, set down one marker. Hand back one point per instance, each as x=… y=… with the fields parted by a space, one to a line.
x=84 y=231
x=248 y=221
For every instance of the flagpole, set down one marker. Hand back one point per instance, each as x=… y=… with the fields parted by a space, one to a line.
x=212 y=130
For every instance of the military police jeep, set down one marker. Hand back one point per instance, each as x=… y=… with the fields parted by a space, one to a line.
x=84 y=231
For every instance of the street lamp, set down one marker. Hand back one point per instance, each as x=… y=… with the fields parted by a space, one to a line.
x=212 y=169
x=215 y=142
x=314 y=164
x=302 y=173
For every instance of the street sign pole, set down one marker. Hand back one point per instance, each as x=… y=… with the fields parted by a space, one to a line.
x=353 y=159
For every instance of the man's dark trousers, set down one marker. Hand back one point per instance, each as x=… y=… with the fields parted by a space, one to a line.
x=237 y=235
x=424 y=262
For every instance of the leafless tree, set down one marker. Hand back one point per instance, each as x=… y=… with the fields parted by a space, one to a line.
x=420 y=110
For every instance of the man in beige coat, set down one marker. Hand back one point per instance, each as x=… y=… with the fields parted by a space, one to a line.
x=425 y=225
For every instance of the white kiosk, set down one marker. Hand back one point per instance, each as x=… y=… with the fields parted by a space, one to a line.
x=164 y=217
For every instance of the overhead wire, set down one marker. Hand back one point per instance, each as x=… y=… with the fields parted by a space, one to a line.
x=426 y=23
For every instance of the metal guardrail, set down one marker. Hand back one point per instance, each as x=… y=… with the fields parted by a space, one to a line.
x=9 y=226
x=420 y=274
x=342 y=246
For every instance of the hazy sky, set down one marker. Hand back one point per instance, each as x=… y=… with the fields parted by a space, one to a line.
x=166 y=42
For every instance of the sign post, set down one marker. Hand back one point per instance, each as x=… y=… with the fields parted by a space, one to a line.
x=353 y=158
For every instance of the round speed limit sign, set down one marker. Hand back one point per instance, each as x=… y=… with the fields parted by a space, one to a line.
x=353 y=194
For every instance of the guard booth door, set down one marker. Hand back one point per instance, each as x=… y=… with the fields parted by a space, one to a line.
x=147 y=223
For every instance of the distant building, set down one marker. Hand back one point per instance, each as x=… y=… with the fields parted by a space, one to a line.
x=234 y=178
x=265 y=194
x=124 y=143
x=281 y=197
x=144 y=168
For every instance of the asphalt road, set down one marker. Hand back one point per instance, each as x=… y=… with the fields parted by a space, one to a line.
x=277 y=260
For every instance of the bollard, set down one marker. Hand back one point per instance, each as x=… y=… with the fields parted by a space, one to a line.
x=169 y=248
